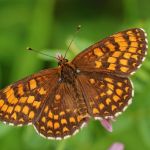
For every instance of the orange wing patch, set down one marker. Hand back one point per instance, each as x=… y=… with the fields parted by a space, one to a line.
x=98 y=52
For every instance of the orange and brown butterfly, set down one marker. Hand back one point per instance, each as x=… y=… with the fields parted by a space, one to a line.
x=95 y=84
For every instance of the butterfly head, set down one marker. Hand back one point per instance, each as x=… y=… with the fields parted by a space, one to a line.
x=61 y=60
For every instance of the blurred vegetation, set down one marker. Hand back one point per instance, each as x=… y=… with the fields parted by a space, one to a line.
x=49 y=24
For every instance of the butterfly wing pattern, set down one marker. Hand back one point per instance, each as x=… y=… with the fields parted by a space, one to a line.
x=95 y=84
x=120 y=54
x=21 y=102
x=113 y=60
x=60 y=117
x=107 y=95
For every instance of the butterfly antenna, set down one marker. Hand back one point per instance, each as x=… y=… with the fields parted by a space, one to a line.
x=77 y=30
x=34 y=50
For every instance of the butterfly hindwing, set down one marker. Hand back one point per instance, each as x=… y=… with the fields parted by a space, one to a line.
x=21 y=102
x=120 y=54
x=60 y=118
x=106 y=95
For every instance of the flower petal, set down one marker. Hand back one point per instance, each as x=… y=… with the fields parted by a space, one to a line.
x=117 y=146
x=107 y=125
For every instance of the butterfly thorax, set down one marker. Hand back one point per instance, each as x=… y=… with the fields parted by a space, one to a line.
x=68 y=73
x=67 y=70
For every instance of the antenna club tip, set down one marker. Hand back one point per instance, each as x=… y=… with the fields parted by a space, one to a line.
x=29 y=48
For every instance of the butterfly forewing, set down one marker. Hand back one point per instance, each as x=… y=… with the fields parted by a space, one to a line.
x=60 y=117
x=106 y=95
x=21 y=102
x=120 y=54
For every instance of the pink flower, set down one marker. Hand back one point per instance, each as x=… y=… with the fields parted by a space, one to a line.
x=107 y=124
x=117 y=146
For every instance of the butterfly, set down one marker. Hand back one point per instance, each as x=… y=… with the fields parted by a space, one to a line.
x=60 y=101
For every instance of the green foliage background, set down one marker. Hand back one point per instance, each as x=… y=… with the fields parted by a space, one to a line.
x=49 y=24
